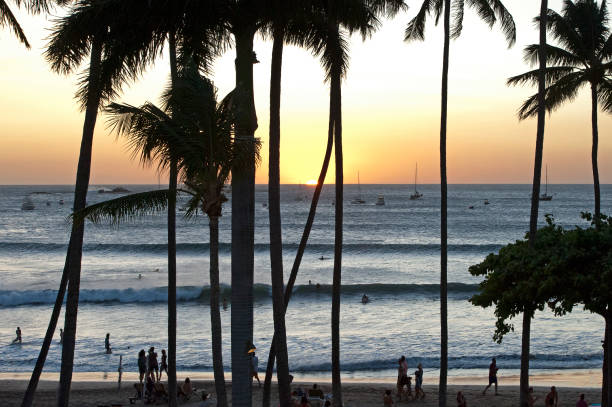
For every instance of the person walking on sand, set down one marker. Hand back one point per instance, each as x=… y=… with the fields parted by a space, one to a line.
x=402 y=376
x=18 y=335
x=531 y=399
x=142 y=364
x=418 y=383
x=581 y=402
x=164 y=364
x=153 y=371
x=552 y=398
x=255 y=367
x=107 y=344
x=492 y=376
x=461 y=400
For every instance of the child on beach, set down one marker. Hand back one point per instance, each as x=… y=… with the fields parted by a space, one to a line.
x=492 y=376
x=418 y=384
x=461 y=400
x=18 y=334
x=387 y=398
x=581 y=402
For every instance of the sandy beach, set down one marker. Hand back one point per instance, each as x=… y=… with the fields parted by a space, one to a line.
x=89 y=391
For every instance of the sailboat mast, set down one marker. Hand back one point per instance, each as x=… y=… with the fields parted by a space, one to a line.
x=416 y=170
x=546 y=190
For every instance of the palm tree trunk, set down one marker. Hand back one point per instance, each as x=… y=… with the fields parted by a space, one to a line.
x=443 y=214
x=609 y=352
x=300 y=251
x=28 y=397
x=215 y=313
x=276 y=243
x=535 y=198
x=172 y=249
x=337 y=277
x=243 y=198
x=75 y=249
x=606 y=360
x=594 y=153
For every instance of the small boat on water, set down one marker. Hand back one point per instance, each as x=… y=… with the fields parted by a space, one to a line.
x=486 y=202
x=545 y=196
x=416 y=194
x=380 y=200
x=27 y=204
x=358 y=200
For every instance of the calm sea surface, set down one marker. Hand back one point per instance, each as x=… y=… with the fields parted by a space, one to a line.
x=391 y=252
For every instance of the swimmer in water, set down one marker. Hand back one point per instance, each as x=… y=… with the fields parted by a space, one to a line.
x=61 y=336
x=224 y=303
x=18 y=334
x=139 y=276
x=107 y=344
x=321 y=258
x=364 y=299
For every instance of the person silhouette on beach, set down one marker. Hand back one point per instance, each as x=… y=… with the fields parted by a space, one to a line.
x=402 y=377
x=164 y=364
x=224 y=303
x=142 y=364
x=531 y=399
x=461 y=400
x=581 y=402
x=492 y=376
x=61 y=336
x=255 y=367
x=153 y=366
x=418 y=383
x=107 y=344
x=552 y=398
x=18 y=335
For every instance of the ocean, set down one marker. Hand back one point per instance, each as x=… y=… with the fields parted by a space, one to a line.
x=391 y=253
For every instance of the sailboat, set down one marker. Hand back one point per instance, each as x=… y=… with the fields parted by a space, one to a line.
x=417 y=194
x=545 y=196
x=359 y=200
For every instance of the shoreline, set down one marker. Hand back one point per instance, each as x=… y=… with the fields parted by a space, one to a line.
x=94 y=393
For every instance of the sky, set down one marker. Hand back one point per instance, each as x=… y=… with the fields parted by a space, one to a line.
x=390 y=101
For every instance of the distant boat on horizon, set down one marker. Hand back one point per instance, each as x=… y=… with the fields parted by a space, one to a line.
x=416 y=194
x=359 y=200
x=545 y=196
x=380 y=200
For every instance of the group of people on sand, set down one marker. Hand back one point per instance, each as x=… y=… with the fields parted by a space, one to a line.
x=404 y=383
x=301 y=398
x=148 y=366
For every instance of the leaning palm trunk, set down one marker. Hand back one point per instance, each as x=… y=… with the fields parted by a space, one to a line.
x=535 y=197
x=243 y=197
x=28 y=397
x=276 y=243
x=172 y=249
x=594 y=153
x=75 y=249
x=337 y=276
x=443 y=213
x=300 y=251
x=608 y=348
x=215 y=313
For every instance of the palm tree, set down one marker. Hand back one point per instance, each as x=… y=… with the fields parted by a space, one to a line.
x=491 y=11
x=583 y=57
x=116 y=46
x=198 y=135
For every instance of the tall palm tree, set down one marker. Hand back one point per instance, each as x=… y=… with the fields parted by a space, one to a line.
x=583 y=57
x=490 y=11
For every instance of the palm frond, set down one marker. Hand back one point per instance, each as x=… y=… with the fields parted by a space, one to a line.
x=505 y=20
x=416 y=27
x=553 y=74
x=8 y=19
x=458 y=12
x=563 y=90
x=554 y=56
x=124 y=209
x=604 y=95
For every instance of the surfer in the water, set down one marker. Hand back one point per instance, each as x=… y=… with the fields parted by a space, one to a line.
x=107 y=344
x=365 y=299
x=18 y=333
